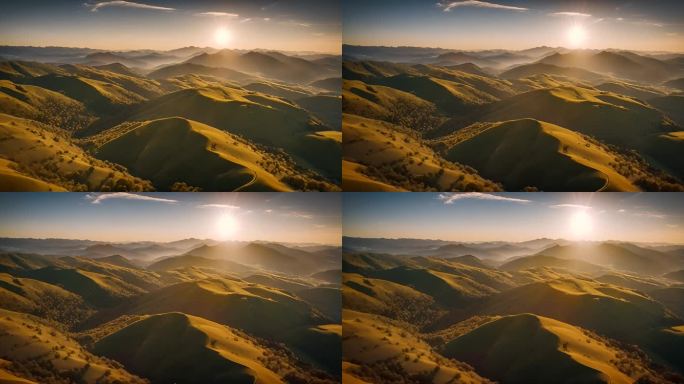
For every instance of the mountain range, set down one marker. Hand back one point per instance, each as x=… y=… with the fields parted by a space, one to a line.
x=543 y=119
x=205 y=311
x=250 y=120
x=564 y=311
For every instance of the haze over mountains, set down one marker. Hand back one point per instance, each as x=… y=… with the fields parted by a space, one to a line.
x=191 y=310
x=537 y=311
x=513 y=288
x=249 y=120
x=170 y=287
x=545 y=118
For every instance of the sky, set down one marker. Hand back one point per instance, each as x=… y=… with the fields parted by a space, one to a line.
x=645 y=25
x=288 y=25
x=637 y=217
x=127 y=217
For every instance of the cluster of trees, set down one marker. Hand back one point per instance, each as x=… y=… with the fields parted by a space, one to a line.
x=70 y=117
x=416 y=117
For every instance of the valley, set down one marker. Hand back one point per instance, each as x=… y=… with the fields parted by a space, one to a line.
x=241 y=120
x=541 y=119
x=571 y=309
x=192 y=310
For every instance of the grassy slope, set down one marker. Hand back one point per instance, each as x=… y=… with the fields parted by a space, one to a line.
x=26 y=338
x=672 y=106
x=28 y=100
x=175 y=149
x=326 y=108
x=13 y=180
x=588 y=304
x=132 y=83
x=41 y=299
x=261 y=118
x=289 y=92
x=49 y=156
x=175 y=346
x=549 y=69
x=97 y=289
x=632 y=90
x=535 y=349
x=233 y=302
x=375 y=143
x=612 y=118
x=373 y=101
x=528 y=152
x=370 y=339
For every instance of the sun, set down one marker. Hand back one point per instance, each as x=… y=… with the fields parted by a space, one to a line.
x=227 y=226
x=222 y=36
x=581 y=225
x=577 y=35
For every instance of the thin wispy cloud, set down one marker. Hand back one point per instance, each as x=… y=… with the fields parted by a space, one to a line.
x=247 y=20
x=570 y=14
x=217 y=14
x=94 y=7
x=300 y=215
x=575 y=206
x=650 y=214
x=449 y=5
x=97 y=198
x=450 y=198
x=221 y=206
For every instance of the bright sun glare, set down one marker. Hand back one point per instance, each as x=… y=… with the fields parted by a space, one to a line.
x=222 y=36
x=227 y=226
x=577 y=35
x=581 y=225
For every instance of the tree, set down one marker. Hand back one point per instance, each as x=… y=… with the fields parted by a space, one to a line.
x=419 y=117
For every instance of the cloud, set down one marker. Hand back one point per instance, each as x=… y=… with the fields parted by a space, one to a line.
x=94 y=7
x=269 y=211
x=222 y=206
x=247 y=20
x=449 y=198
x=571 y=14
x=651 y=215
x=266 y=19
x=97 y=198
x=579 y=206
x=449 y=5
x=300 y=215
x=217 y=14
x=622 y=210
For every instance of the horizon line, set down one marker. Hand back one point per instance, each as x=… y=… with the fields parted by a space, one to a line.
x=166 y=50
x=168 y=241
x=506 y=49
x=512 y=241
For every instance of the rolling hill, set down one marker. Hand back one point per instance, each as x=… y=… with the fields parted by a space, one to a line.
x=618 y=256
x=625 y=65
x=550 y=69
x=386 y=352
x=41 y=157
x=211 y=159
x=375 y=159
x=269 y=64
x=536 y=349
x=28 y=343
x=529 y=152
x=175 y=346
x=253 y=116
